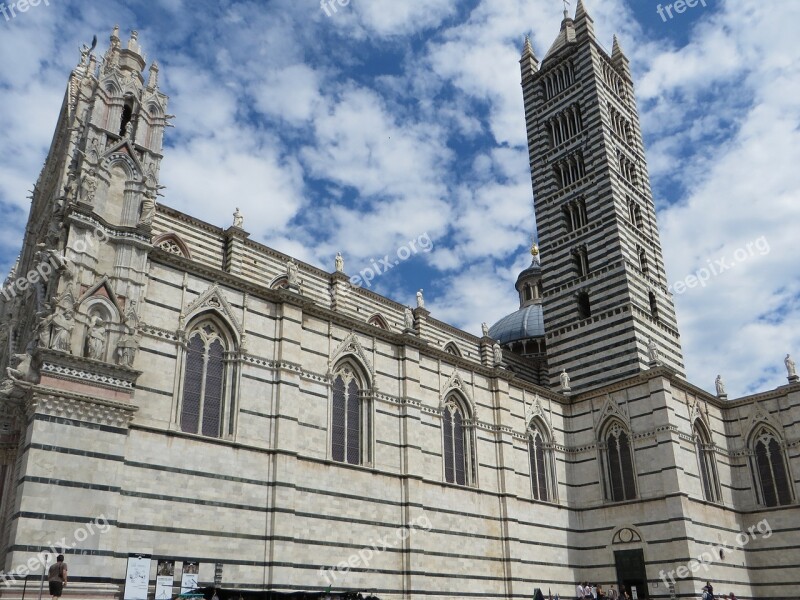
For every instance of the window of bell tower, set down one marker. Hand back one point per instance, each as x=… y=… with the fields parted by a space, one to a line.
x=127 y=115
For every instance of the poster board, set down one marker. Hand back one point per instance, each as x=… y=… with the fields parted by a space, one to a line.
x=137 y=577
x=189 y=576
x=165 y=579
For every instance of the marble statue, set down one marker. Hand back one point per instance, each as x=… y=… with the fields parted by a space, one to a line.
x=720 y=385
x=791 y=367
x=564 y=381
x=420 y=299
x=238 y=218
x=291 y=272
x=96 y=339
x=409 y=318
x=652 y=350
x=485 y=329
x=63 y=324
x=148 y=208
x=88 y=187
x=126 y=349
x=339 y=260
x=498 y=354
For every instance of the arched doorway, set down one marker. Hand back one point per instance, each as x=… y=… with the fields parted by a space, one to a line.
x=629 y=562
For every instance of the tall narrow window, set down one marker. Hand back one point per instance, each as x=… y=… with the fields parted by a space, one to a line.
x=541 y=464
x=350 y=419
x=457 y=444
x=643 y=266
x=653 y=305
x=204 y=381
x=619 y=476
x=770 y=469
x=584 y=306
x=704 y=450
x=127 y=115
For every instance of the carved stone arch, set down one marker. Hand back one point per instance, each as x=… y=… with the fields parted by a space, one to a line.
x=122 y=153
x=759 y=416
x=456 y=384
x=763 y=429
x=611 y=411
x=352 y=348
x=378 y=321
x=154 y=107
x=534 y=412
x=111 y=87
x=173 y=243
x=705 y=431
x=279 y=283
x=213 y=301
x=699 y=411
x=100 y=292
x=626 y=534
x=451 y=348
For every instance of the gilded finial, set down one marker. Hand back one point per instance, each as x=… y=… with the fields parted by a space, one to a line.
x=534 y=249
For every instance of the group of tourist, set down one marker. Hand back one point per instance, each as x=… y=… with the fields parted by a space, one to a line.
x=593 y=591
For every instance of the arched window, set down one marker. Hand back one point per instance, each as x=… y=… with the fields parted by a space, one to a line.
x=457 y=441
x=127 y=115
x=350 y=417
x=704 y=450
x=207 y=381
x=451 y=348
x=620 y=482
x=540 y=457
x=769 y=468
x=378 y=321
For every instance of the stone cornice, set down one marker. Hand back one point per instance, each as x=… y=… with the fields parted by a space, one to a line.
x=78 y=407
x=66 y=366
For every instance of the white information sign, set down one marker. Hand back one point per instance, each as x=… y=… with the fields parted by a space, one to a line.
x=137 y=577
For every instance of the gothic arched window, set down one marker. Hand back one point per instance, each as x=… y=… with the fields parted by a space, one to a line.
x=704 y=450
x=540 y=457
x=457 y=443
x=619 y=478
x=769 y=468
x=350 y=418
x=207 y=381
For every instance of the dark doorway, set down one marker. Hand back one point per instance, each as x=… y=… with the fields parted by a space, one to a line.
x=631 y=573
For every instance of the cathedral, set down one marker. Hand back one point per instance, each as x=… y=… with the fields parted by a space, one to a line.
x=183 y=406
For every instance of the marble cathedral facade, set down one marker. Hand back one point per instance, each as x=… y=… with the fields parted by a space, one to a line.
x=209 y=399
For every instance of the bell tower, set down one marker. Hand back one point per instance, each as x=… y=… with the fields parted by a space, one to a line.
x=69 y=316
x=607 y=308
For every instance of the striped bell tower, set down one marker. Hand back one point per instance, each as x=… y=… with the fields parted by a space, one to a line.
x=607 y=309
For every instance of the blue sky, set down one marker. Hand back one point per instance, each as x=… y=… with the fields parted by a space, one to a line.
x=389 y=120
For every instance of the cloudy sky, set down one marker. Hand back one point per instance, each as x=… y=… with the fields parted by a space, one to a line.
x=361 y=127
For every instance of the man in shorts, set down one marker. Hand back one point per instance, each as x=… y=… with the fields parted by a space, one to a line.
x=57 y=577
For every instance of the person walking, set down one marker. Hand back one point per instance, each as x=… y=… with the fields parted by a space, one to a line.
x=579 y=592
x=612 y=593
x=57 y=577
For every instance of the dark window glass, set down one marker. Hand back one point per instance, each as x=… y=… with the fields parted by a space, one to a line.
x=447 y=424
x=338 y=419
x=192 y=385
x=353 y=424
